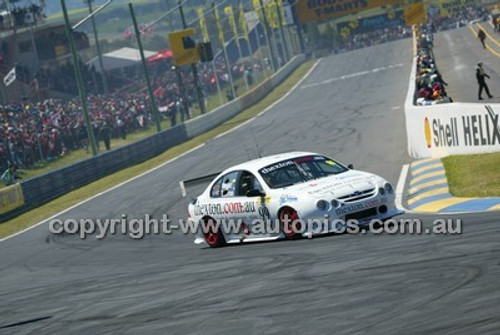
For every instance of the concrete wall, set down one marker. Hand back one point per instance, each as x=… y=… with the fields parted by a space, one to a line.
x=450 y=129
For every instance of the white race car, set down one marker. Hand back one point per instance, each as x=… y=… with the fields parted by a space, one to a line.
x=289 y=196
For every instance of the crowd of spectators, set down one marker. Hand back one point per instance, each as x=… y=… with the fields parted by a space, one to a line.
x=372 y=38
x=430 y=86
x=36 y=131
x=46 y=130
x=456 y=18
x=21 y=16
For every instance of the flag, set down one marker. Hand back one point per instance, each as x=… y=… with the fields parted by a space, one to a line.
x=128 y=33
x=229 y=13
x=10 y=77
x=243 y=22
x=271 y=15
x=415 y=14
x=203 y=25
x=219 y=26
x=258 y=9
x=269 y=10
x=282 y=12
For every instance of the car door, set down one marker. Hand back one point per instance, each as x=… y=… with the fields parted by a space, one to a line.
x=257 y=215
x=227 y=206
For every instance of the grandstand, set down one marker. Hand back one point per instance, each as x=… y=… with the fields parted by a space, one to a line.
x=34 y=46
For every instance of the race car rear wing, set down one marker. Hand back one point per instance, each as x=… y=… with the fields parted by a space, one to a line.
x=195 y=181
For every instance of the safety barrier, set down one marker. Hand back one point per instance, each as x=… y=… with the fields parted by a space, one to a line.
x=11 y=198
x=450 y=129
x=41 y=189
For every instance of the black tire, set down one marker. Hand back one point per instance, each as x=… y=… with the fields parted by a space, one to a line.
x=289 y=233
x=212 y=235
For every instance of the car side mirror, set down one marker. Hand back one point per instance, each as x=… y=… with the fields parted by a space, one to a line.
x=350 y=167
x=255 y=193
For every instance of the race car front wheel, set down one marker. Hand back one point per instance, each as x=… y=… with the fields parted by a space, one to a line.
x=212 y=234
x=289 y=223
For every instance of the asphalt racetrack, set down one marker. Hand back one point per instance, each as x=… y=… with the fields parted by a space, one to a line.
x=457 y=53
x=350 y=107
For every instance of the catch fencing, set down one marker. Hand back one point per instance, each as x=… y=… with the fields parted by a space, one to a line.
x=41 y=189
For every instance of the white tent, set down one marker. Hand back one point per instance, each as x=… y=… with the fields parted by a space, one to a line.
x=119 y=59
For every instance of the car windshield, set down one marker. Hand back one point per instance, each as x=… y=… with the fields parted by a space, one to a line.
x=299 y=170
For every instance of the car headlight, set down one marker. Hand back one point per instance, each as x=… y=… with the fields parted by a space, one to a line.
x=322 y=204
x=381 y=190
x=388 y=188
x=335 y=203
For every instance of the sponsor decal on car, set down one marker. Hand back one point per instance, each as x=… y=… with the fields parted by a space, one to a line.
x=227 y=208
x=329 y=187
x=359 y=207
x=275 y=167
x=263 y=200
x=287 y=198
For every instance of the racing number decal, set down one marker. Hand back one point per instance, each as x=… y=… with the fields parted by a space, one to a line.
x=264 y=213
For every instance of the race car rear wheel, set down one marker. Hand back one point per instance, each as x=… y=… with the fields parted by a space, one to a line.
x=289 y=223
x=213 y=236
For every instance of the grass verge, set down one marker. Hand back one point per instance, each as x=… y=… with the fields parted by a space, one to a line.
x=473 y=175
x=36 y=215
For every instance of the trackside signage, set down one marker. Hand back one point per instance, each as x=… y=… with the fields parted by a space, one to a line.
x=11 y=197
x=453 y=129
x=317 y=10
x=449 y=129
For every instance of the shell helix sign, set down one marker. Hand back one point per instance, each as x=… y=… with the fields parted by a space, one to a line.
x=453 y=129
x=184 y=49
x=427 y=129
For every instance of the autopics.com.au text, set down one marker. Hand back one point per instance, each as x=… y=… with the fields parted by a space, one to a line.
x=137 y=228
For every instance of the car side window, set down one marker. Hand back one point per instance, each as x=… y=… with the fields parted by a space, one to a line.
x=225 y=187
x=215 y=191
x=248 y=182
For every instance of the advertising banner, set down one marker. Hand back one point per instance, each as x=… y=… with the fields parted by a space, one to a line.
x=317 y=10
x=376 y=22
x=11 y=198
x=453 y=129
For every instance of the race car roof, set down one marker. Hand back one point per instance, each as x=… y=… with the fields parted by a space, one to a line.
x=256 y=164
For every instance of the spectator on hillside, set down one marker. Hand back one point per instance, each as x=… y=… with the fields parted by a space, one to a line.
x=122 y=129
x=105 y=134
x=248 y=77
x=9 y=175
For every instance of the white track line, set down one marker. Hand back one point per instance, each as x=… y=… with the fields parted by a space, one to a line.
x=233 y=129
x=268 y=108
x=162 y=164
x=352 y=75
x=292 y=89
x=401 y=187
x=104 y=192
